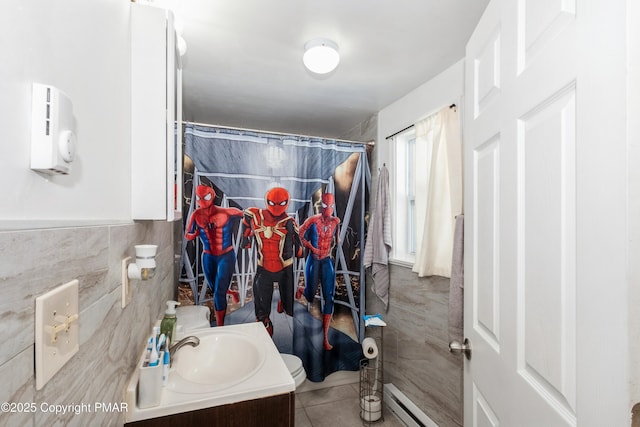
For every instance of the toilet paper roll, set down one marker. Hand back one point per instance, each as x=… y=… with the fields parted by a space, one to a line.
x=371 y=408
x=369 y=348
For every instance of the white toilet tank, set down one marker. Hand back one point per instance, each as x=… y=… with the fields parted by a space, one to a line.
x=294 y=365
x=191 y=317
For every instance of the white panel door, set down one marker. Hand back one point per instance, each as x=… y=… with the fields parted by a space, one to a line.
x=544 y=204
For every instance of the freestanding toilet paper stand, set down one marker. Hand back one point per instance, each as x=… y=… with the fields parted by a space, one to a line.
x=371 y=377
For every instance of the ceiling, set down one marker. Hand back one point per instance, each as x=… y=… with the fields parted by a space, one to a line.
x=243 y=66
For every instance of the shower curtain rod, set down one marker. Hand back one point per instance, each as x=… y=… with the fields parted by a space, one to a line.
x=410 y=126
x=278 y=133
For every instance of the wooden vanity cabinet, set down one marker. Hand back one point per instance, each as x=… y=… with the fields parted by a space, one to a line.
x=273 y=411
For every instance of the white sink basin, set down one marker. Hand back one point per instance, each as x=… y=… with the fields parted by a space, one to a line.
x=222 y=359
x=232 y=364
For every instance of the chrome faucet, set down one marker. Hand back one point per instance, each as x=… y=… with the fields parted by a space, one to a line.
x=191 y=340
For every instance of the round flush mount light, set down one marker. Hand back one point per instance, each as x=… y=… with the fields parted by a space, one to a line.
x=321 y=56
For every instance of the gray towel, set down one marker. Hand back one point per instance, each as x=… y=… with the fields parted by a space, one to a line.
x=456 y=284
x=378 y=243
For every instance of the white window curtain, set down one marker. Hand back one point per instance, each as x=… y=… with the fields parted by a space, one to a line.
x=438 y=148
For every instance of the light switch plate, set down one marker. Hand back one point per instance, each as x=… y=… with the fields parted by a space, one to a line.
x=56 y=330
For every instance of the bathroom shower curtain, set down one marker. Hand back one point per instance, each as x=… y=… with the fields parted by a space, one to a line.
x=241 y=167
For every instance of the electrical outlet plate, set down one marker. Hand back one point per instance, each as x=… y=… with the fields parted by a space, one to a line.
x=56 y=330
x=126 y=285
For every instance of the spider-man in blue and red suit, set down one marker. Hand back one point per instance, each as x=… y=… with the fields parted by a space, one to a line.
x=214 y=226
x=318 y=234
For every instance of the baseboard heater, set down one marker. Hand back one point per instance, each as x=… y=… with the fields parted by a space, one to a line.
x=405 y=409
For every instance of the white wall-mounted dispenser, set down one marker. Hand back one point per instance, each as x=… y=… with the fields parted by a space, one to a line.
x=52 y=130
x=143 y=269
x=145 y=265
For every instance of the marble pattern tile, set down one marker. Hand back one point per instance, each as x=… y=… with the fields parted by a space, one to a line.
x=325 y=395
x=416 y=356
x=301 y=418
x=336 y=406
x=344 y=414
x=35 y=262
x=18 y=387
x=111 y=338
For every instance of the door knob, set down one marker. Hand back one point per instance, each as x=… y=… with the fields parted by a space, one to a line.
x=465 y=347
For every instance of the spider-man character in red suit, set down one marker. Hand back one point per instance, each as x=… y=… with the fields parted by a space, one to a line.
x=214 y=225
x=276 y=237
x=318 y=234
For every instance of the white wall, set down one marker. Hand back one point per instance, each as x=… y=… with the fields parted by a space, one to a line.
x=441 y=91
x=82 y=47
x=444 y=89
x=633 y=214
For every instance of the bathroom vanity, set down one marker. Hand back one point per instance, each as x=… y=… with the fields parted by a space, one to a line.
x=234 y=377
x=273 y=411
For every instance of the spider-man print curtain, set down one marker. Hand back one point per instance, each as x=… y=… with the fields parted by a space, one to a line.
x=304 y=288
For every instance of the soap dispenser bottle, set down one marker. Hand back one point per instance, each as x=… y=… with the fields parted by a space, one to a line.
x=168 y=324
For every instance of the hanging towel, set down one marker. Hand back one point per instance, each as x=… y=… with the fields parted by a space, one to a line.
x=456 y=284
x=378 y=244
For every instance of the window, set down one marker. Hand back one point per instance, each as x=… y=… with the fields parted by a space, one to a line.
x=408 y=188
x=411 y=195
x=425 y=183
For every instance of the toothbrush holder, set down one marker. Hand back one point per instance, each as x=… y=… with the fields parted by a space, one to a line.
x=150 y=385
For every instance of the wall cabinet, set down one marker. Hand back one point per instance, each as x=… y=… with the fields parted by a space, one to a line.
x=156 y=147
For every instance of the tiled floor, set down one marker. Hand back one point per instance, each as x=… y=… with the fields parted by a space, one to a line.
x=335 y=407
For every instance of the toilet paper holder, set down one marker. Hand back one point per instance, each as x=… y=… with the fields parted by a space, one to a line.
x=372 y=377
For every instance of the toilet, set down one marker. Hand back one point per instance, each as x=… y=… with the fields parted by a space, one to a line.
x=294 y=365
x=191 y=318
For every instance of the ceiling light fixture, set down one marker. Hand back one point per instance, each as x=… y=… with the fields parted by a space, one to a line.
x=321 y=56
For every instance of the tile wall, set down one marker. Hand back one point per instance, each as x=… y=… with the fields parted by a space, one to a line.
x=111 y=338
x=416 y=353
x=416 y=358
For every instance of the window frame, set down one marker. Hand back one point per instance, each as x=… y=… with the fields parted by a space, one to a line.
x=402 y=189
